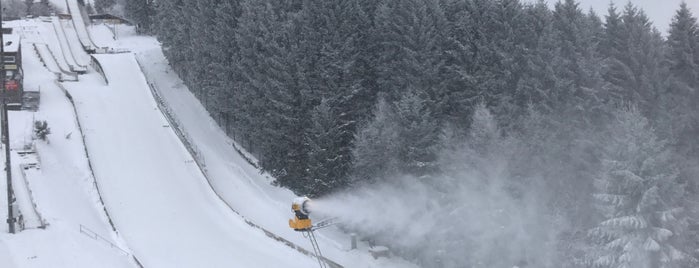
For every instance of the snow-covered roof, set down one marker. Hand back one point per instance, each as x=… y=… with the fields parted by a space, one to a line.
x=11 y=42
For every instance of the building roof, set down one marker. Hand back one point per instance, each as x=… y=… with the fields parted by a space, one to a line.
x=109 y=17
x=11 y=42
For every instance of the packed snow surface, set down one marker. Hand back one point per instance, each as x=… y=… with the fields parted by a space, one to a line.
x=157 y=196
x=164 y=211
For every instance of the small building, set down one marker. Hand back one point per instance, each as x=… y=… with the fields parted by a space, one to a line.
x=12 y=68
x=108 y=19
x=64 y=16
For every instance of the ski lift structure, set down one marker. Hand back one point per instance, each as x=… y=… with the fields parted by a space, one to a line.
x=302 y=223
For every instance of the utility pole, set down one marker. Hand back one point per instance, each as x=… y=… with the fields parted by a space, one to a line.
x=6 y=135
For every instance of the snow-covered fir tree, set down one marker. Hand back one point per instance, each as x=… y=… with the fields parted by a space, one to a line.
x=639 y=193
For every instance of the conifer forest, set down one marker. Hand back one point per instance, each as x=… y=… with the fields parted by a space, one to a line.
x=584 y=127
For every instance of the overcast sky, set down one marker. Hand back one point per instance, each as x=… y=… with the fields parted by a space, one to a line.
x=659 y=11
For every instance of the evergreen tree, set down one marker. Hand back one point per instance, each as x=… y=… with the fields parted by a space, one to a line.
x=683 y=47
x=376 y=147
x=410 y=38
x=223 y=65
x=202 y=42
x=173 y=32
x=102 y=6
x=639 y=194
x=538 y=78
x=89 y=8
x=461 y=92
x=141 y=12
x=43 y=8
x=682 y=98
x=484 y=57
x=418 y=135
x=13 y=9
x=270 y=92
x=402 y=138
x=327 y=169
x=29 y=4
x=680 y=119
x=330 y=42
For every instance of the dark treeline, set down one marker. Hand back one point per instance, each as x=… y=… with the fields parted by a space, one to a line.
x=331 y=94
x=15 y=9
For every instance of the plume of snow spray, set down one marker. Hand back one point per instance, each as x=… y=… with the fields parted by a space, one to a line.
x=451 y=221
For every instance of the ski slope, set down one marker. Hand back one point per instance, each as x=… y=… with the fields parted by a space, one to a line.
x=50 y=61
x=62 y=188
x=48 y=58
x=46 y=33
x=65 y=48
x=79 y=55
x=79 y=23
x=237 y=181
x=163 y=209
x=157 y=196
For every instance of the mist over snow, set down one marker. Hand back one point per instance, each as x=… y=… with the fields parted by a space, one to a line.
x=477 y=214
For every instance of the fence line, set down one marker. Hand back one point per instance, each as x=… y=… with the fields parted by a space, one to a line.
x=91 y=234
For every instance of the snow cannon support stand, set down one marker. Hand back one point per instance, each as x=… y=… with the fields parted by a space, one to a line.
x=302 y=223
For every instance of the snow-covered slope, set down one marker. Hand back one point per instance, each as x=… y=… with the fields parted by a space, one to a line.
x=70 y=32
x=238 y=182
x=157 y=196
x=79 y=23
x=164 y=210
x=48 y=58
x=161 y=204
x=62 y=186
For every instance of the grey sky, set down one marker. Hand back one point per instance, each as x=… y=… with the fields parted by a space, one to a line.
x=659 y=11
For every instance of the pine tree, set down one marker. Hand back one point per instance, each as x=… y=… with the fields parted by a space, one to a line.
x=680 y=118
x=418 y=135
x=376 y=148
x=683 y=44
x=269 y=91
x=89 y=8
x=43 y=8
x=682 y=98
x=327 y=167
x=102 y=6
x=410 y=38
x=173 y=33
x=639 y=195
x=202 y=41
x=14 y=9
x=402 y=139
x=223 y=64
x=461 y=92
x=29 y=4
x=579 y=82
x=141 y=12
x=538 y=78
x=331 y=35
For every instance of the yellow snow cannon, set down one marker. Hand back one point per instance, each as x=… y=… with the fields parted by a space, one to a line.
x=300 y=222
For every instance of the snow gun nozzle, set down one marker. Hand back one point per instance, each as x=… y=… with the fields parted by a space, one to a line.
x=301 y=205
